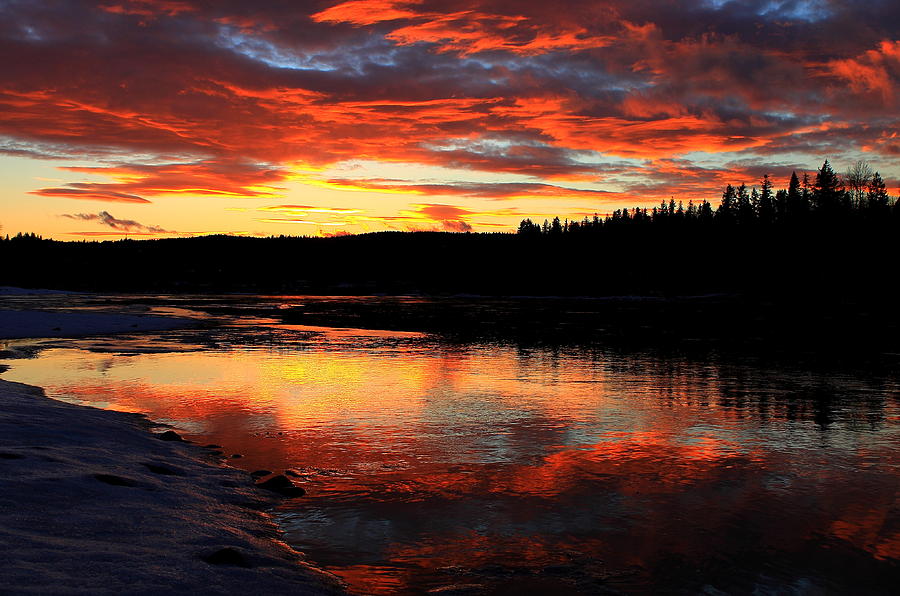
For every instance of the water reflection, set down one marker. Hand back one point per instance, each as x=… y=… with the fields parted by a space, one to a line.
x=528 y=470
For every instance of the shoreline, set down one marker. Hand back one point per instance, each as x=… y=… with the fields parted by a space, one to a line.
x=35 y=324
x=94 y=502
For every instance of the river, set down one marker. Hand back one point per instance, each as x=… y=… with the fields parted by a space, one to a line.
x=508 y=468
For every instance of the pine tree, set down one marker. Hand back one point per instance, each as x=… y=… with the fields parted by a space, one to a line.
x=827 y=191
x=529 y=228
x=728 y=207
x=794 y=197
x=766 y=204
x=877 y=198
x=781 y=202
x=745 y=212
x=556 y=227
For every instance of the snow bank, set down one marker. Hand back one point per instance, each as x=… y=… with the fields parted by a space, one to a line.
x=14 y=291
x=38 y=323
x=93 y=503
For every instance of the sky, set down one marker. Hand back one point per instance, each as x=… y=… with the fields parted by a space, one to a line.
x=161 y=118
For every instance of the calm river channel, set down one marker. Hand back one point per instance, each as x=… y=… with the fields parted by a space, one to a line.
x=503 y=468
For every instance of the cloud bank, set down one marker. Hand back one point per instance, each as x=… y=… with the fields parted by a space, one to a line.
x=598 y=101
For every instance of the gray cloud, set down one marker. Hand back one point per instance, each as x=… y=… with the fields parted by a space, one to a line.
x=125 y=225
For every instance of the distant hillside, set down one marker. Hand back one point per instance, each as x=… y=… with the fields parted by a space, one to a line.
x=853 y=258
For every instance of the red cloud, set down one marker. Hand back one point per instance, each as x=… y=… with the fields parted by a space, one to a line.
x=490 y=190
x=452 y=218
x=368 y=12
x=467 y=31
x=147 y=8
x=224 y=98
x=110 y=233
x=203 y=178
x=93 y=194
x=875 y=71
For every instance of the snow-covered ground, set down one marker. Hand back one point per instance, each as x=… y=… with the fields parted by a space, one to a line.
x=94 y=502
x=91 y=502
x=38 y=323
x=14 y=291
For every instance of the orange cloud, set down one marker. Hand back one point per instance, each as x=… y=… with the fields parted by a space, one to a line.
x=301 y=221
x=229 y=97
x=148 y=8
x=89 y=193
x=111 y=233
x=875 y=71
x=203 y=178
x=368 y=12
x=311 y=209
x=452 y=218
x=492 y=190
x=465 y=32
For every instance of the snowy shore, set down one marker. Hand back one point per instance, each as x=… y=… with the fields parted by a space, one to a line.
x=38 y=323
x=95 y=502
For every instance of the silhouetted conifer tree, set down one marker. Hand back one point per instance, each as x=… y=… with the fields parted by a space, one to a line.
x=727 y=210
x=781 y=205
x=529 y=228
x=877 y=198
x=745 y=211
x=556 y=227
x=793 y=199
x=828 y=191
x=691 y=212
x=806 y=190
x=766 y=202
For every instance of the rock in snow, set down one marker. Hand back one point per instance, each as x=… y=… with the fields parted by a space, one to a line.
x=283 y=486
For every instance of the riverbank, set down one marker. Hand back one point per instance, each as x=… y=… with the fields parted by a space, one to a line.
x=17 y=324
x=95 y=502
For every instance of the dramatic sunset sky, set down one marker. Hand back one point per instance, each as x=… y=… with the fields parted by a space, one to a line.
x=167 y=117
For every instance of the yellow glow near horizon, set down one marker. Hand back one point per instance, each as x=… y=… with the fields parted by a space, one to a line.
x=182 y=211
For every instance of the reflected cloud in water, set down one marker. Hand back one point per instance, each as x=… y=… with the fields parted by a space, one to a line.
x=431 y=463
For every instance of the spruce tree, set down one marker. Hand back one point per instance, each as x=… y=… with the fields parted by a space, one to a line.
x=877 y=198
x=827 y=191
x=556 y=227
x=766 y=208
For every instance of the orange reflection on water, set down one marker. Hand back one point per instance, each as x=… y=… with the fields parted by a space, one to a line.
x=430 y=464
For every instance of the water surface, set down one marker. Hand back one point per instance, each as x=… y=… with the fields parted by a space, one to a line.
x=536 y=469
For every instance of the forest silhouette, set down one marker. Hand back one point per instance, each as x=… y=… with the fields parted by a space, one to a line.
x=814 y=263
x=832 y=235
x=829 y=202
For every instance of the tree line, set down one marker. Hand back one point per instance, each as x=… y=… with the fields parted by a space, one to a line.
x=826 y=236
x=859 y=195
